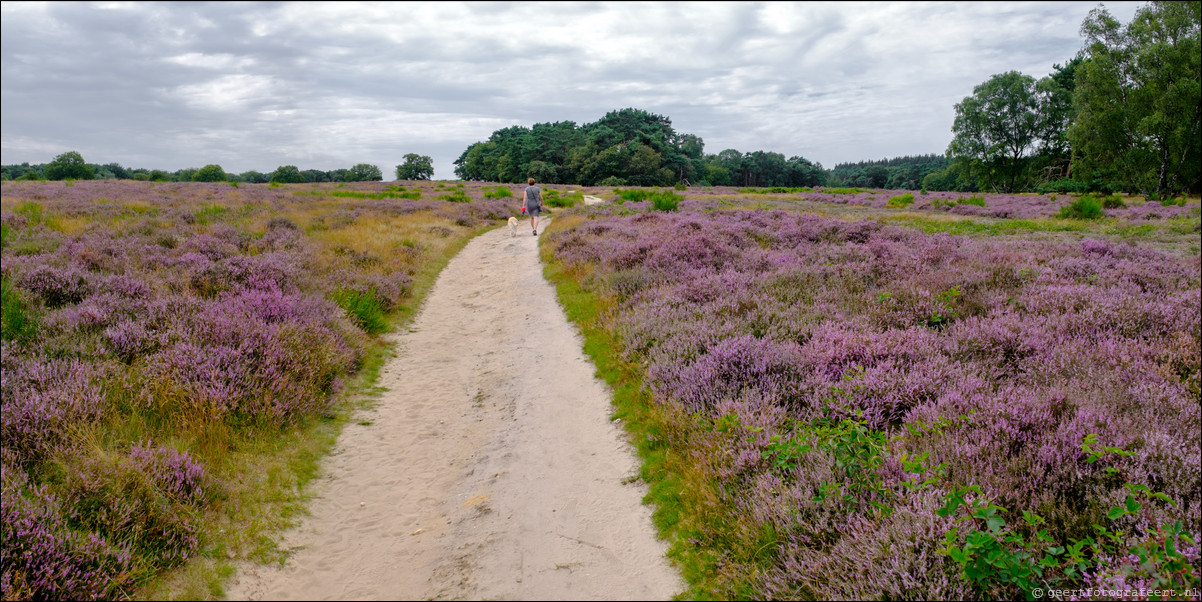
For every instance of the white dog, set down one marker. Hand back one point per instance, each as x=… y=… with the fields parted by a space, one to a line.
x=513 y=226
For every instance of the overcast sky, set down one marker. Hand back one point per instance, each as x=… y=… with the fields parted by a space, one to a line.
x=327 y=85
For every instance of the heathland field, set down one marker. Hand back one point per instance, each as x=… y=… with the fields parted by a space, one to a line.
x=837 y=394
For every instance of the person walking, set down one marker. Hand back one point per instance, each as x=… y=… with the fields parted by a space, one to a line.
x=534 y=203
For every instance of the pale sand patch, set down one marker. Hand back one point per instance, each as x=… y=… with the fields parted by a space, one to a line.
x=490 y=470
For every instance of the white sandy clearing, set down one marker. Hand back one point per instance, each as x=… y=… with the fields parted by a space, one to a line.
x=489 y=470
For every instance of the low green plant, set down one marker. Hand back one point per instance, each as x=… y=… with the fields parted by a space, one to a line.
x=665 y=201
x=499 y=192
x=17 y=320
x=557 y=199
x=456 y=196
x=363 y=308
x=1001 y=562
x=901 y=200
x=1085 y=207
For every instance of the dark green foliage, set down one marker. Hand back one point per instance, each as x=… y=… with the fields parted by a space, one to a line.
x=628 y=147
x=209 y=173
x=900 y=173
x=363 y=172
x=287 y=174
x=69 y=166
x=415 y=167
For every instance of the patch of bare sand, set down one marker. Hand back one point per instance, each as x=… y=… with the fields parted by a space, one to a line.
x=490 y=470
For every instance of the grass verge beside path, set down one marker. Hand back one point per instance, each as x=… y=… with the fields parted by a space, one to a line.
x=687 y=509
x=269 y=494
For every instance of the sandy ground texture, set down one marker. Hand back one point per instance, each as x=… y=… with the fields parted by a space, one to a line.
x=489 y=470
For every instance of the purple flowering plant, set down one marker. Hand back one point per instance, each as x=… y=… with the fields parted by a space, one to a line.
x=152 y=332
x=837 y=380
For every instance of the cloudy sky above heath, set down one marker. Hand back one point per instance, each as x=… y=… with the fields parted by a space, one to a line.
x=327 y=85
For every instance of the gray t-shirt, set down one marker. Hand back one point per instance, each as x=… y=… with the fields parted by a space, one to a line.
x=532 y=193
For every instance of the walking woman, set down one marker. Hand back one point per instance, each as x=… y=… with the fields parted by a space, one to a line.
x=534 y=203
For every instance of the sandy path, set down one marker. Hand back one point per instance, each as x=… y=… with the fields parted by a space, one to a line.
x=490 y=468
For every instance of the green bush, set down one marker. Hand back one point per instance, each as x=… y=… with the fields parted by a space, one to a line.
x=457 y=196
x=665 y=200
x=1086 y=207
x=975 y=199
x=901 y=201
x=555 y=199
x=500 y=192
x=1113 y=201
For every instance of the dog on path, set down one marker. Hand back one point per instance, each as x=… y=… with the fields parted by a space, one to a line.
x=513 y=226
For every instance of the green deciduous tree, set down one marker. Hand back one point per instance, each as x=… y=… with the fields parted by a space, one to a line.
x=210 y=173
x=364 y=172
x=69 y=166
x=415 y=167
x=287 y=174
x=1138 y=101
x=996 y=130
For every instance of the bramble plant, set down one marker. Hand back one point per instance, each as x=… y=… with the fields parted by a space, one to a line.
x=1002 y=562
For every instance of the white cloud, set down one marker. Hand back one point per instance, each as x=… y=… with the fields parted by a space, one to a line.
x=257 y=85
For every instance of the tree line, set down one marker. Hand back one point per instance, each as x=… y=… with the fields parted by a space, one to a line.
x=626 y=147
x=72 y=166
x=1122 y=115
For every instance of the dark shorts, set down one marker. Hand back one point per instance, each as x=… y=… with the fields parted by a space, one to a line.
x=533 y=210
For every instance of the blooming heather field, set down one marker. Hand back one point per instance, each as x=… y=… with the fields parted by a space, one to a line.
x=852 y=403
x=156 y=334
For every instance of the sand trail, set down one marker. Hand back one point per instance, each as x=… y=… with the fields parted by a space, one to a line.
x=488 y=470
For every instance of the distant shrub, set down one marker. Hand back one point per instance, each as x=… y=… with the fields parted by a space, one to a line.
x=665 y=201
x=1085 y=207
x=1113 y=201
x=555 y=199
x=612 y=181
x=457 y=196
x=500 y=192
x=901 y=200
x=975 y=199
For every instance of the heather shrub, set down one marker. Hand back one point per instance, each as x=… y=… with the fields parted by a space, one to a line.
x=842 y=379
x=56 y=286
x=194 y=314
x=44 y=557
